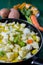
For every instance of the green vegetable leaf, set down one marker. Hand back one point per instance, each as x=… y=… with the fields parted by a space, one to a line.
x=28 y=12
x=28 y=19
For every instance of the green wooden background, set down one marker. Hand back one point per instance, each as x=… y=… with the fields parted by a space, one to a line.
x=37 y=3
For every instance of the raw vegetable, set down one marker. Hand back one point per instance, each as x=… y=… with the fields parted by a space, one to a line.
x=4 y=12
x=14 y=14
x=26 y=12
x=35 y=38
x=28 y=19
x=35 y=22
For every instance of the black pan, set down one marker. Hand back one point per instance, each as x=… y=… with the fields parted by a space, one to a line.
x=30 y=60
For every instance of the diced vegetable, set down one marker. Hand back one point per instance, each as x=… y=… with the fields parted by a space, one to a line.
x=16 y=39
x=9 y=42
x=21 y=43
x=34 y=37
x=15 y=60
x=2 y=53
x=18 y=43
x=34 y=51
x=29 y=41
x=35 y=45
x=4 y=58
x=15 y=54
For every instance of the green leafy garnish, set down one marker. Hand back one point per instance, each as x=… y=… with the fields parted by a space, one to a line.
x=26 y=12
x=28 y=19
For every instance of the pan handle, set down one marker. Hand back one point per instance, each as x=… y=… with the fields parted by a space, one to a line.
x=37 y=61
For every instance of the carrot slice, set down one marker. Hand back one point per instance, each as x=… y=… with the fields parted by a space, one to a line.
x=30 y=41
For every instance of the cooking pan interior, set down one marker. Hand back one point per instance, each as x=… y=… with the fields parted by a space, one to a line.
x=27 y=25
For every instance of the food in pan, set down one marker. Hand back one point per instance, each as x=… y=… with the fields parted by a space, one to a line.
x=17 y=42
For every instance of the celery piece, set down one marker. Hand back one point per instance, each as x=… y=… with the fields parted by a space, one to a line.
x=2 y=53
x=28 y=19
x=21 y=43
x=9 y=42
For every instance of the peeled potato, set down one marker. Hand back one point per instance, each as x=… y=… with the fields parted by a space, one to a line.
x=14 y=14
x=4 y=13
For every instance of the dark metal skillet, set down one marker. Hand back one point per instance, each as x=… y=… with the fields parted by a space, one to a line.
x=30 y=60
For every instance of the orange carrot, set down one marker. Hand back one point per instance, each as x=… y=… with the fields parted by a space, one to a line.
x=35 y=22
x=29 y=41
x=40 y=28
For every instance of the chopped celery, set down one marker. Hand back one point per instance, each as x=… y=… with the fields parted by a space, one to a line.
x=34 y=37
x=21 y=43
x=2 y=53
x=16 y=39
x=28 y=19
x=9 y=42
x=34 y=51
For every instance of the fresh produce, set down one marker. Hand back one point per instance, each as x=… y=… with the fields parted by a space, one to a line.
x=35 y=22
x=31 y=7
x=14 y=14
x=27 y=10
x=4 y=12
